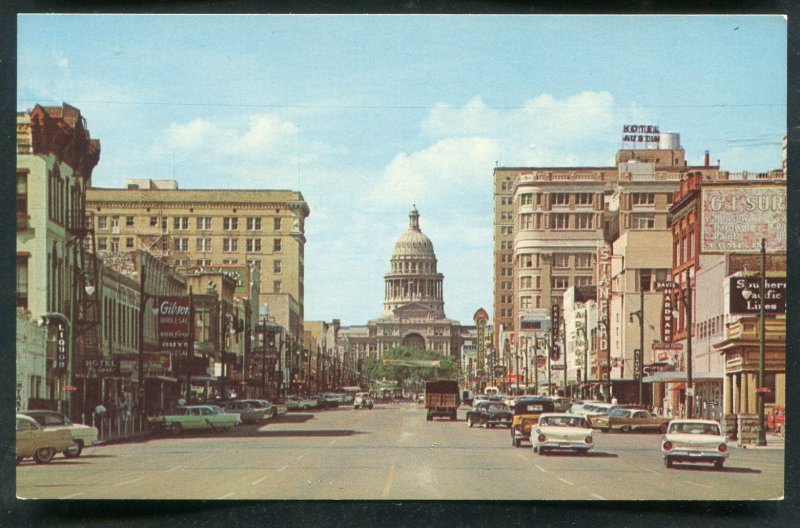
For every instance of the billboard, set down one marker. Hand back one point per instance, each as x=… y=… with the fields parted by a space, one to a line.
x=640 y=134
x=745 y=295
x=173 y=325
x=735 y=219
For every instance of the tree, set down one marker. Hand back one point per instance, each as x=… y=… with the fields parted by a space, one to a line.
x=404 y=373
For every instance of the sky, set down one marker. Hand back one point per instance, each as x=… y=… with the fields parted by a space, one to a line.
x=367 y=115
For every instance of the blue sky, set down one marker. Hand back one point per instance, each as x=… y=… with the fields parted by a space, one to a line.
x=366 y=115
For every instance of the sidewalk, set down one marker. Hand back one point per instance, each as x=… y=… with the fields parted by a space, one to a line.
x=774 y=441
x=122 y=439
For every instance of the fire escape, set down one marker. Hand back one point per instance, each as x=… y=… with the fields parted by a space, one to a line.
x=85 y=290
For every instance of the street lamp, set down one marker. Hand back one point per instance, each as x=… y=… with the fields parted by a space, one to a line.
x=639 y=356
x=761 y=439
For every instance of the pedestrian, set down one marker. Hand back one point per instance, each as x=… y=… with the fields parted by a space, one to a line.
x=613 y=400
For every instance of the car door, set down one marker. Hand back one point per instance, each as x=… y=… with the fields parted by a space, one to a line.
x=27 y=435
x=641 y=420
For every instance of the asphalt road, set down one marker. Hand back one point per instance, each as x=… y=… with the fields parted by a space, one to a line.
x=392 y=453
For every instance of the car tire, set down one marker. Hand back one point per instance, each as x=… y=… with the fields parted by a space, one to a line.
x=175 y=428
x=370 y=407
x=719 y=464
x=469 y=421
x=541 y=451
x=667 y=462
x=44 y=455
x=515 y=441
x=625 y=428
x=74 y=450
x=19 y=460
x=428 y=416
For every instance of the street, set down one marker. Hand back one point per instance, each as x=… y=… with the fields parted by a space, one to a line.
x=391 y=453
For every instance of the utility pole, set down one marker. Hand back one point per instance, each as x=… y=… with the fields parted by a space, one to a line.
x=690 y=385
x=536 y=363
x=761 y=439
x=639 y=366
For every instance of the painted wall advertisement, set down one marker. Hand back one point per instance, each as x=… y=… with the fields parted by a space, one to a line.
x=737 y=218
x=173 y=325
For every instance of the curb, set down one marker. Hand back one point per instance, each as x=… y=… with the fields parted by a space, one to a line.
x=140 y=437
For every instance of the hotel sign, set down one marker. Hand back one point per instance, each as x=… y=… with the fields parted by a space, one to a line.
x=745 y=295
x=640 y=134
x=735 y=219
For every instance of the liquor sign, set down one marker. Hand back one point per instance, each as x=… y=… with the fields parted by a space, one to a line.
x=640 y=134
x=745 y=295
x=603 y=294
x=61 y=347
x=173 y=325
x=735 y=219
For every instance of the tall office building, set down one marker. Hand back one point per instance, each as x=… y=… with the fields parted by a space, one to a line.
x=213 y=229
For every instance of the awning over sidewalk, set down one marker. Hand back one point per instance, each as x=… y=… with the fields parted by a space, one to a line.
x=673 y=377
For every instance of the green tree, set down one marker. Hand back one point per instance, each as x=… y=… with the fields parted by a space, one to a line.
x=405 y=374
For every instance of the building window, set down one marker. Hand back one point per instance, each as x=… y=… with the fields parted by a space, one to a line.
x=583 y=199
x=180 y=222
x=643 y=198
x=525 y=282
x=102 y=222
x=276 y=245
x=276 y=224
x=505 y=285
x=583 y=260
x=583 y=280
x=128 y=221
x=129 y=242
x=164 y=243
x=254 y=263
x=560 y=283
x=115 y=223
x=526 y=261
x=560 y=261
x=526 y=221
x=276 y=286
x=506 y=230
x=583 y=221
x=204 y=223
x=115 y=245
x=102 y=243
x=22 y=282
x=254 y=245
x=525 y=199
x=254 y=223
x=204 y=245
x=230 y=245
x=181 y=244
x=230 y=223
x=644 y=221
x=22 y=193
x=182 y=262
x=276 y=266
x=525 y=301
x=559 y=221
x=203 y=262
x=230 y=262
x=560 y=199
x=153 y=221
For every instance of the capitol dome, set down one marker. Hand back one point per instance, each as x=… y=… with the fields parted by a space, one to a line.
x=413 y=243
x=413 y=277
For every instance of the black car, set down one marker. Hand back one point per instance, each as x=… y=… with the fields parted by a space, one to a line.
x=489 y=414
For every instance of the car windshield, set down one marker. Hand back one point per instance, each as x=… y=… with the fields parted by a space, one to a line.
x=497 y=407
x=563 y=421
x=619 y=412
x=695 y=428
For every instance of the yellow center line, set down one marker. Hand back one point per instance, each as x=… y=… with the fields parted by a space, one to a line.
x=388 y=485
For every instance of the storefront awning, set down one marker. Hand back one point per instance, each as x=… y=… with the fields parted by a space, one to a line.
x=204 y=378
x=160 y=378
x=672 y=377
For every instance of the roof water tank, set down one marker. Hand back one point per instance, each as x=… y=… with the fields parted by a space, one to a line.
x=669 y=141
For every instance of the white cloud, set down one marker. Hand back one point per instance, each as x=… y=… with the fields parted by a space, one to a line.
x=194 y=135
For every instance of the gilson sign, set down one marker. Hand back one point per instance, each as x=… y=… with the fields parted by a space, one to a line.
x=173 y=325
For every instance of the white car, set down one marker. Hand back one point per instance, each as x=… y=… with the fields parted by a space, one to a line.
x=694 y=441
x=362 y=401
x=557 y=431
x=82 y=435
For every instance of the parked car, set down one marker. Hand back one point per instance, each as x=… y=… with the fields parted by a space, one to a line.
x=561 y=431
x=329 y=400
x=526 y=415
x=82 y=435
x=363 y=401
x=597 y=409
x=490 y=414
x=196 y=417
x=627 y=420
x=301 y=403
x=694 y=441
x=33 y=440
x=270 y=411
x=248 y=412
x=476 y=399
x=580 y=406
x=561 y=403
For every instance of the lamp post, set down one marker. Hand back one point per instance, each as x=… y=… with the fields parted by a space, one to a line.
x=549 y=372
x=639 y=355
x=527 y=362
x=761 y=439
x=535 y=363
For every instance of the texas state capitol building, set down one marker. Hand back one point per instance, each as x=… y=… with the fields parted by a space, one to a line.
x=413 y=307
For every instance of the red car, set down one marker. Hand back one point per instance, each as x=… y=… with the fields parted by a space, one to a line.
x=776 y=418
